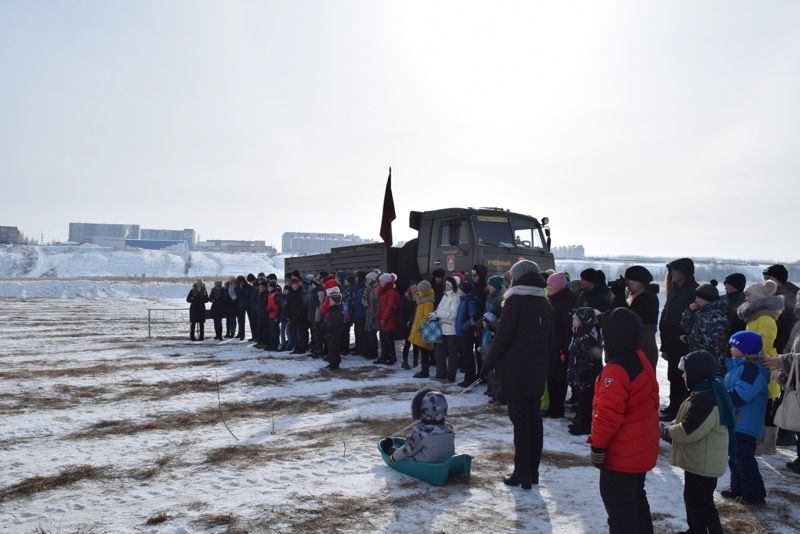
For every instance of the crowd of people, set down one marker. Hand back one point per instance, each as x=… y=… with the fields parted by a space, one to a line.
x=527 y=334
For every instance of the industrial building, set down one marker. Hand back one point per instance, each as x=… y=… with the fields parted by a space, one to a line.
x=88 y=232
x=9 y=235
x=187 y=234
x=316 y=243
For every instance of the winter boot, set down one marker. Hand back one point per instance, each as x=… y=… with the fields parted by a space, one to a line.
x=405 y=365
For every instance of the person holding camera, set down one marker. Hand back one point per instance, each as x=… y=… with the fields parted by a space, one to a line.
x=637 y=292
x=197 y=298
x=594 y=291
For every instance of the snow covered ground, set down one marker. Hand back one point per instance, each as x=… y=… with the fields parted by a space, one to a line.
x=70 y=261
x=106 y=430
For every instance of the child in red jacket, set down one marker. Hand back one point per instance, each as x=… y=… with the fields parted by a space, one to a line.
x=625 y=429
x=389 y=304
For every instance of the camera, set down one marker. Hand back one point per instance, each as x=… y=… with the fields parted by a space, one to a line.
x=620 y=284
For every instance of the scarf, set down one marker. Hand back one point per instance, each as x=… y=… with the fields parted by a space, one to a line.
x=727 y=414
x=530 y=291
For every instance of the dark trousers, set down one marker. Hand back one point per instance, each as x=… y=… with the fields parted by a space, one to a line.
x=447 y=358
x=261 y=329
x=240 y=319
x=217 y=327
x=698 y=496
x=273 y=329
x=251 y=318
x=745 y=476
x=344 y=339
x=677 y=387
x=410 y=347
x=526 y=416
x=202 y=326
x=626 y=503
x=467 y=357
x=360 y=333
x=370 y=344
x=426 y=357
x=334 y=355
x=230 y=325
x=583 y=411
x=300 y=333
x=388 y=352
x=557 y=385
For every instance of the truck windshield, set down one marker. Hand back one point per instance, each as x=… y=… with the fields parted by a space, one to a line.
x=494 y=230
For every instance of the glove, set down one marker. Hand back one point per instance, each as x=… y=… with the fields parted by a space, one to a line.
x=665 y=433
x=391 y=459
x=386 y=445
x=598 y=457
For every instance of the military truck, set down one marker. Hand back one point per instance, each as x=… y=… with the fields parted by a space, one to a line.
x=453 y=239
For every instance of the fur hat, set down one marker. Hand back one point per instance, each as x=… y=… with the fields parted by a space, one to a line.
x=748 y=342
x=523 y=267
x=387 y=278
x=371 y=277
x=438 y=273
x=594 y=276
x=557 y=281
x=466 y=286
x=637 y=273
x=778 y=272
x=736 y=280
x=708 y=292
x=684 y=265
x=272 y=276
x=762 y=290
x=424 y=286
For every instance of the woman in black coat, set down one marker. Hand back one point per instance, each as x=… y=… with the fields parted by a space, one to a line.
x=519 y=352
x=197 y=298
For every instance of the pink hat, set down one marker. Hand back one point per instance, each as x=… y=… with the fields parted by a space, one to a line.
x=557 y=282
x=386 y=278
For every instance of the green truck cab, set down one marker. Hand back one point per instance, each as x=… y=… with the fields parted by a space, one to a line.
x=453 y=239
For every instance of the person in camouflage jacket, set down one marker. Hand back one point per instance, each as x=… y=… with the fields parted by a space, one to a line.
x=705 y=323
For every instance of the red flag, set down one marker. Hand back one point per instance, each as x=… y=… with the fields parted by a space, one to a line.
x=388 y=212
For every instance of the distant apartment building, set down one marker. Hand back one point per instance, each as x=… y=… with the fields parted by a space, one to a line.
x=231 y=245
x=9 y=235
x=187 y=234
x=571 y=252
x=88 y=232
x=316 y=243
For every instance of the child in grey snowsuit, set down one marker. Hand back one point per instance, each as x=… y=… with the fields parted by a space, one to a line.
x=432 y=440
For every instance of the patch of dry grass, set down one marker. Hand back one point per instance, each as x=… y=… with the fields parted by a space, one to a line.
x=100 y=369
x=157 y=519
x=172 y=421
x=66 y=477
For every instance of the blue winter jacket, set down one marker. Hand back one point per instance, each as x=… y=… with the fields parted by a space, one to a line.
x=359 y=313
x=746 y=383
x=245 y=296
x=467 y=315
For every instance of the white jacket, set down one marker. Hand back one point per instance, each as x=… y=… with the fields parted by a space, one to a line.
x=446 y=312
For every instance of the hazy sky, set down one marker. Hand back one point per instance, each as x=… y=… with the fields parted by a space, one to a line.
x=660 y=128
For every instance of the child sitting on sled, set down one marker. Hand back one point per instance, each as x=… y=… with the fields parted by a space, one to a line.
x=432 y=440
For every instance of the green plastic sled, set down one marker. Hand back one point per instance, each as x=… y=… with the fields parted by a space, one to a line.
x=435 y=474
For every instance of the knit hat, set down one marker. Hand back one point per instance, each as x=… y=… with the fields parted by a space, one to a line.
x=708 y=292
x=594 y=276
x=699 y=366
x=371 y=277
x=496 y=281
x=387 y=278
x=637 y=273
x=466 y=286
x=736 y=280
x=748 y=342
x=557 y=281
x=489 y=317
x=762 y=290
x=523 y=267
x=684 y=265
x=333 y=290
x=272 y=276
x=453 y=282
x=329 y=283
x=778 y=272
x=622 y=331
x=459 y=276
x=424 y=286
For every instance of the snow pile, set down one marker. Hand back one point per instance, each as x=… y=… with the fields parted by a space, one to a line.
x=105 y=289
x=68 y=261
